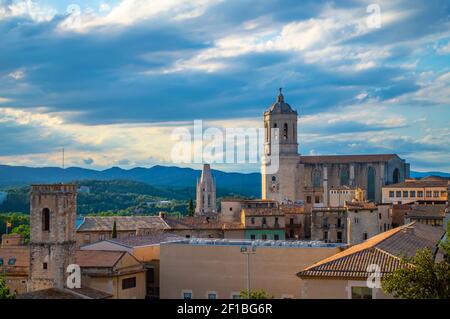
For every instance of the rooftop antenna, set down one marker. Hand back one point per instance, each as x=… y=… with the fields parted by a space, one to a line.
x=63 y=164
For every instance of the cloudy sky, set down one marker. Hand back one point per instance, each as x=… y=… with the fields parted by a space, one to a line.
x=110 y=80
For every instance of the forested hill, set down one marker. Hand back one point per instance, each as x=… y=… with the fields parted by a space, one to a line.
x=117 y=196
x=159 y=176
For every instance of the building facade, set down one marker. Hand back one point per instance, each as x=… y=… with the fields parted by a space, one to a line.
x=412 y=190
x=309 y=178
x=202 y=269
x=263 y=221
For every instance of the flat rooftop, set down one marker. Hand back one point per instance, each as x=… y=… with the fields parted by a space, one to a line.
x=256 y=243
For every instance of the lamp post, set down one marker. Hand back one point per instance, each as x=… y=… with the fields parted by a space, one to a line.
x=248 y=252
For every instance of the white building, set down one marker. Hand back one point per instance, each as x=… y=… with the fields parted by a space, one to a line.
x=432 y=188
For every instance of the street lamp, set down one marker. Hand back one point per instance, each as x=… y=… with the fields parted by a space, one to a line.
x=246 y=251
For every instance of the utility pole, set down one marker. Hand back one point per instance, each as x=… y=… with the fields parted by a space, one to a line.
x=246 y=251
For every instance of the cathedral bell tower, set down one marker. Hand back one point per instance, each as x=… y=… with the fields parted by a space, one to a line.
x=280 y=133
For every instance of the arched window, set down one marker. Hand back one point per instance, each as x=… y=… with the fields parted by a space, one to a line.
x=46 y=219
x=274 y=178
x=316 y=178
x=396 y=176
x=344 y=176
x=371 y=184
x=275 y=134
x=285 y=131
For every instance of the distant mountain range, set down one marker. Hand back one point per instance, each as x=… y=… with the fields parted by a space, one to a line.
x=425 y=174
x=161 y=176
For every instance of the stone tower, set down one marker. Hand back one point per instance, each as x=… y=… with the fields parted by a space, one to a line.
x=280 y=127
x=52 y=234
x=206 y=193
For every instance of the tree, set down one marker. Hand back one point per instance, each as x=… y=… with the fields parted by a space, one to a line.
x=420 y=278
x=4 y=290
x=191 y=209
x=445 y=245
x=255 y=294
x=23 y=230
x=114 y=230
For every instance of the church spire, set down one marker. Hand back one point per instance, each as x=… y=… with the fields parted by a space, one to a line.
x=280 y=98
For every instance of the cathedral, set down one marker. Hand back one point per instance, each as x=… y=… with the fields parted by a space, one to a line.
x=309 y=179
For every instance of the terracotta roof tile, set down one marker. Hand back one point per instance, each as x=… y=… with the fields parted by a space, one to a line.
x=384 y=250
x=419 y=184
x=123 y=223
x=98 y=258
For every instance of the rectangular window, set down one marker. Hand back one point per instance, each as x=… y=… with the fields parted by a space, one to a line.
x=325 y=236
x=308 y=199
x=443 y=194
x=429 y=193
x=264 y=237
x=391 y=194
x=187 y=295
x=291 y=221
x=317 y=200
x=365 y=236
x=361 y=293
x=235 y=296
x=405 y=194
x=412 y=194
x=419 y=193
x=128 y=283
x=44 y=266
x=212 y=295
x=276 y=237
x=252 y=237
x=436 y=194
x=252 y=220
x=398 y=194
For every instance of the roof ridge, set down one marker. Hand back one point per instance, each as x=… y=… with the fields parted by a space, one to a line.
x=355 y=249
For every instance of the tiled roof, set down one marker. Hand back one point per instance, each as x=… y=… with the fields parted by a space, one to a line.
x=383 y=250
x=147 y=240
x=419 y=184
x=98 y=258
x=56 y=293
x=51 y=293
x=427 y=211
x=123 y=223
x=347 y=159
x=194 y=222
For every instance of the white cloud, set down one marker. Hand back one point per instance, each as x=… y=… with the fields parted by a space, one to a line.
x=129 y=12
x=17 y=75
x=30 y=8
